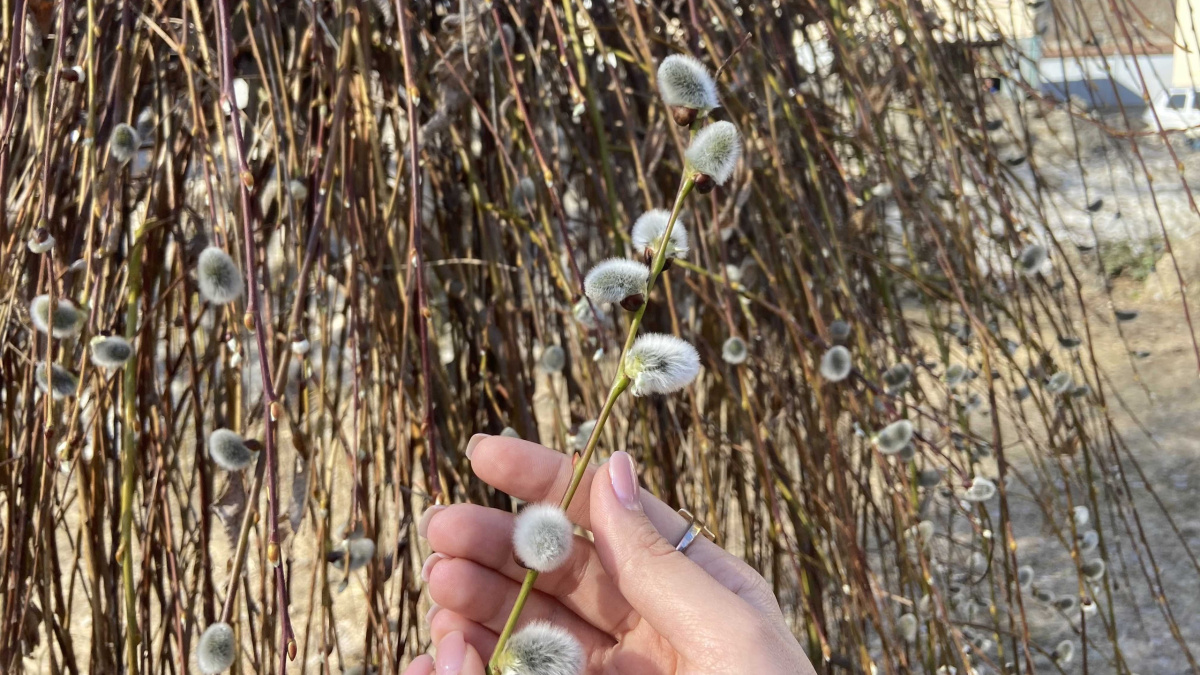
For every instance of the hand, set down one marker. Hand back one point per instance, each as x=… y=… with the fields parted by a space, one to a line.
x=638 y=606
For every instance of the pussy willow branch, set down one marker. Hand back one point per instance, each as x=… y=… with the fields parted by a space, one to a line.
x=287 y=641
x=619 y=385
x=133 y=297
x=417 y=276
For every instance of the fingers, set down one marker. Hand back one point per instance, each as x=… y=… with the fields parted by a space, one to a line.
x=486 y=597
x=484 y=536
x=422 y=665
x=535 y=473
x=456 y=657
x=445 y=621
x=527 y=471
x=675 y=595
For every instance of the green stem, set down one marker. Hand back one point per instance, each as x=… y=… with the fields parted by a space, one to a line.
x=133 y=296
x=620 y=383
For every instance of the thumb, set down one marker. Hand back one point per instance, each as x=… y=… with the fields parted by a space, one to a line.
x=675 y=595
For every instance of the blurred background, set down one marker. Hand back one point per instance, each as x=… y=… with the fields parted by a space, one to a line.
x=988 y=202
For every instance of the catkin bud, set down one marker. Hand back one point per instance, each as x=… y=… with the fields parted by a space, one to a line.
x=41 y=241
x=648 y=233
x=1064 y=652
x=217 y=649
x=617 y=280
x=1060 y=383
x=981 y=490
x=219 y=277
x=111 y=352
x=661 y=364
x=734 y=351
x=686 y=86
x=714 y=153
x=906 y=627
x=124 y=143
x=894 y=437
x=553 y=360
x=542 y=537
x=541 y=648
x=353 y=554
x=62 y=382
x=1024 y=575
x=836 y=364
x=1032 y=259
x=67 y=320
x=1093 y=570
x=229 y=450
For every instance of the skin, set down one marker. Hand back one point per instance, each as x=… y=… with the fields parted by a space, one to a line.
x=638 y=606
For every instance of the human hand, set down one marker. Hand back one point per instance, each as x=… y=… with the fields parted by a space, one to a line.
x=638 y=606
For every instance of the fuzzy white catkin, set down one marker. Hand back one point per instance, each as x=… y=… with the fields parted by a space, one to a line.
x=661 y=364
x=587 y=313
x=981 y=490
x=955 y=374
x=894 y=437
x=229 y=450
x=685 y=82
x=358 y=552
x=1081 y=515
x=616 y=279
x=111 y=352
x=582 y=434
x=734 y=351
x=648 y=231
x=906 y=627
x=67 y=320
x=1064 y=652
x=40 y=247
x=217 y=649
x=836 y=364
x=62 y=382
x=1093 y=569
x=124 y=143
x=1024 y=575
x=1031 y=259
x=1088 y=541
x=542 y=537
x=542 y=648
x=553 y=359
x=1060 y=383
x=219 y=277
x=715 y=151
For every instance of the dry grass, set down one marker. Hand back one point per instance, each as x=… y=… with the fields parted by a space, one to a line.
x=417 y=194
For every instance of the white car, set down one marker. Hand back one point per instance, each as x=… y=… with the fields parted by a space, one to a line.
x=1175 y=108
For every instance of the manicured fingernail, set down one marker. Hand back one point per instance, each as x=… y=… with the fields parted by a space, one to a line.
x=624 y=481
x=451 y=652
x=427 y=568
x=433 y=609
x=423 y=523
x=473 y=442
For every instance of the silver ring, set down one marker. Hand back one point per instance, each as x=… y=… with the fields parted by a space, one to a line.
x=695 y=528
x=689 y=536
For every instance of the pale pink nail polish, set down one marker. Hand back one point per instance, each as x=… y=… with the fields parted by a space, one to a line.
x=451 y=653
x=427 y=568
x=624 y=481
x=423 y=523
x=433 y=609
x=475 y=440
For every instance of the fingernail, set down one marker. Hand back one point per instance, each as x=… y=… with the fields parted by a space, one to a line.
x=423 y=523
x=624 y=481
x=433 y=609
x=474 y=442
x=427 y=568
x=451 y=653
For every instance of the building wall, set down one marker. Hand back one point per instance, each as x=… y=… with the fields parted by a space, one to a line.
x=1186 y=72
x=1089 y=79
